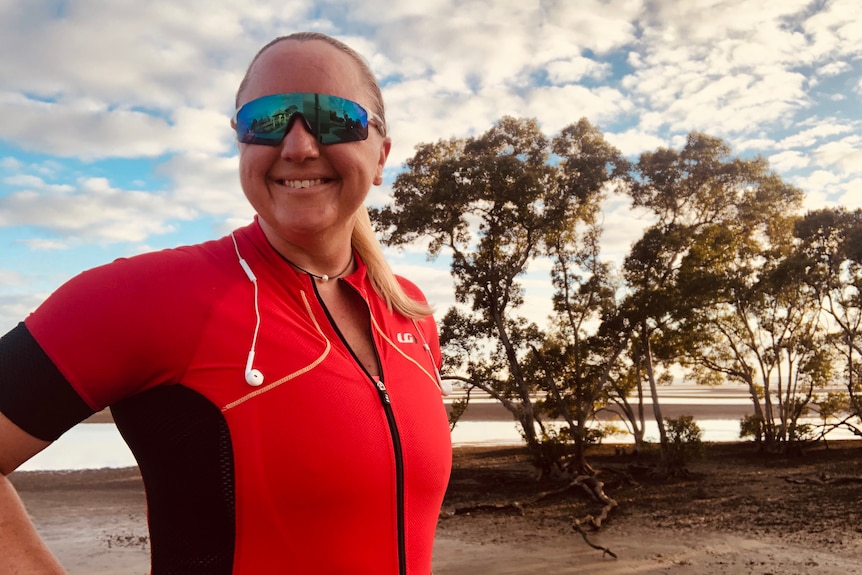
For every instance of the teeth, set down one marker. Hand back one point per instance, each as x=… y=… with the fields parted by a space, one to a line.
x=299 y=184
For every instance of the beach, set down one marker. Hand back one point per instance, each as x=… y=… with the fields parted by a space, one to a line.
x=738 y=512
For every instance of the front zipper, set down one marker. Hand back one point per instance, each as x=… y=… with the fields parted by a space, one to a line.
x=399 y=471
x=386 y=403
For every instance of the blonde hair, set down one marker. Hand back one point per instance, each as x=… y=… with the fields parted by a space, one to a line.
x=364 y=240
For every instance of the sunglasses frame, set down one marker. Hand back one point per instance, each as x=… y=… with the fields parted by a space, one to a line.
x=322 y=121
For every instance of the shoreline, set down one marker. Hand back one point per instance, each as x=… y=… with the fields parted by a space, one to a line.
x=492 y=411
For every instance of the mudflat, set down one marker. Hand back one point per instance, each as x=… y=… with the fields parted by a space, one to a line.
x=736 y=511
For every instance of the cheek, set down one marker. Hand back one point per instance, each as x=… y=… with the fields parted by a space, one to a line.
x=253 y=163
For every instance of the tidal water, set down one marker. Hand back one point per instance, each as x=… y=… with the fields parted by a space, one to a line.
x=717 y=411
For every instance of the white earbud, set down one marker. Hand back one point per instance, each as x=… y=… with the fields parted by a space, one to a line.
x=247 y=269
x=252 y=376
x=445 y=386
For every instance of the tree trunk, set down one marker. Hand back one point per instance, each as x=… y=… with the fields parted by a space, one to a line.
x=653 y=386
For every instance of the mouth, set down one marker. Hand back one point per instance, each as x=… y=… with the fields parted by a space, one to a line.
x=300 y=184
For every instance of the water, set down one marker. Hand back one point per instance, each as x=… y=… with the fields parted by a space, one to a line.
x=717 y=412
x=96 y=445
x=85 y=446
x=495 y=433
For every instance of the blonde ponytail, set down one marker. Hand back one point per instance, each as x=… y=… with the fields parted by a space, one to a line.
x=380 y=274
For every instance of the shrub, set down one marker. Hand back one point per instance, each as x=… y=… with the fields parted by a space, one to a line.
x=684 y=440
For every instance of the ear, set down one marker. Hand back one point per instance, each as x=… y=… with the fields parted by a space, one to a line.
x=385 y=147
x=233 y=127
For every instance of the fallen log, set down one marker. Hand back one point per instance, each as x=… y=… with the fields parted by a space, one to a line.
x=824 y=479
x=588 y=483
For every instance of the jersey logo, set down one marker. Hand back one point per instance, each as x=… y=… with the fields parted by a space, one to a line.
x=406 y=338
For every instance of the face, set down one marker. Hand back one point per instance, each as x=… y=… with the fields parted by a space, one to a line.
x=306 y=193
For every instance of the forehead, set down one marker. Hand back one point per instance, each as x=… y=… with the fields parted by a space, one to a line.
x=307 y=66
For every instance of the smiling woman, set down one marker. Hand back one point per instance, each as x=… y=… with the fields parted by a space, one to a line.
x=278 y=386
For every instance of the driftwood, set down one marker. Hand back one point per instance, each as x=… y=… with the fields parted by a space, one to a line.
x=824 y=479
x=588 y=483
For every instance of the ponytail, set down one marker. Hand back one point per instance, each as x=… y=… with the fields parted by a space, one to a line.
x=380 y=274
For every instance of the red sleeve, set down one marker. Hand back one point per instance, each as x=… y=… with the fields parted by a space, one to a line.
x=124 y=327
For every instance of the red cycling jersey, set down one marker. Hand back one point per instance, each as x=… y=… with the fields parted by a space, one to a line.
x=319 y=470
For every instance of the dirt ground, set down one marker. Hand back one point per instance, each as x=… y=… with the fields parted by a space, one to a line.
x=737 y=512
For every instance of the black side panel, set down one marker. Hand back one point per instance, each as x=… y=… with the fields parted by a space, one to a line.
x=183 y=447
x=33 y=393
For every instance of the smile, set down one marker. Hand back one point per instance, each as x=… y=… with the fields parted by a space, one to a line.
x=300 y=184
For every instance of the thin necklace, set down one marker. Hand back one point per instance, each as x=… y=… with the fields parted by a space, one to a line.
x=323 y=277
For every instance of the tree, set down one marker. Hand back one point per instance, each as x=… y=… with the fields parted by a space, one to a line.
x=745 y=314
x=692 y=275
x=483 y=199
x=829 y=256
x=576 y=362
x=498 y=202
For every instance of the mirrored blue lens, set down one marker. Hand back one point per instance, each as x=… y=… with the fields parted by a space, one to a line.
x=332 y=120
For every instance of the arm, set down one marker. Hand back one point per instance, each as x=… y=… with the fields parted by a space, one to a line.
x=23 y=549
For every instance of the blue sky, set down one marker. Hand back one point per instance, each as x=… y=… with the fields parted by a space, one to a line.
x=116 y=139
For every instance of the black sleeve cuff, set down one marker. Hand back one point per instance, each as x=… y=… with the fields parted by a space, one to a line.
x=34 y=395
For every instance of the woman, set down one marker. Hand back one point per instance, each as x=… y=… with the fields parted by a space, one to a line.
x=278 y=386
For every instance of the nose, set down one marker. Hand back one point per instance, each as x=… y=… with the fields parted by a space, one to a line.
x=299 y=143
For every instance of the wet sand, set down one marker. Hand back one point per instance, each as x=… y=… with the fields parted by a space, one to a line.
x=95 y=522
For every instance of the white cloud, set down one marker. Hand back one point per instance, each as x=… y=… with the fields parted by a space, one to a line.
x=13 y=308
x=45 y=245
x=574 y=69
x=809 y=137
x=558 y=107
x=634 y=142
x=95 y=211
x=844 y=155
x=787 y=161
x=11 y=164
x=836 y=28
x=850 y=194
x=207 y=184
x=833 y=69
x=10 y=278
x=79 y=129
x=595 y=25
x=35 y=183
x=156 y=80
x=623 y=226
x=819 y=185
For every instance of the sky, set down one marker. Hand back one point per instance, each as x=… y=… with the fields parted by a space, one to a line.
x=115 y=138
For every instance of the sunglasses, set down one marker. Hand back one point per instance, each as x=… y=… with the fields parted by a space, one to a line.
x=332 y=120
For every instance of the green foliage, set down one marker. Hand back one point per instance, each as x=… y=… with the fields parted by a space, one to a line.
x=834 y=404
x=728 y=280
x=548 y=454
x=457 y=410
x=751 y=426
x=684 y=440
x=556 y=446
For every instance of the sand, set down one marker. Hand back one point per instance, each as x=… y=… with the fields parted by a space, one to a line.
x=94 y=520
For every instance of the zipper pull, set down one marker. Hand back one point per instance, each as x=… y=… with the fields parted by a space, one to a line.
x=383 y=392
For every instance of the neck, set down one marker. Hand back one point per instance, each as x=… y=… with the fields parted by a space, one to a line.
x=324 y=277
x=322 y=257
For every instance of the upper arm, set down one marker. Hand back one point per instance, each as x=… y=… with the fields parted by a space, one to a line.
x=37 y=404
x=34 y=394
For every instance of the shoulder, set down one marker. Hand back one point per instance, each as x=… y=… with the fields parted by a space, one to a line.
x=154 y=283
x=411 y=289
x=176 y=269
